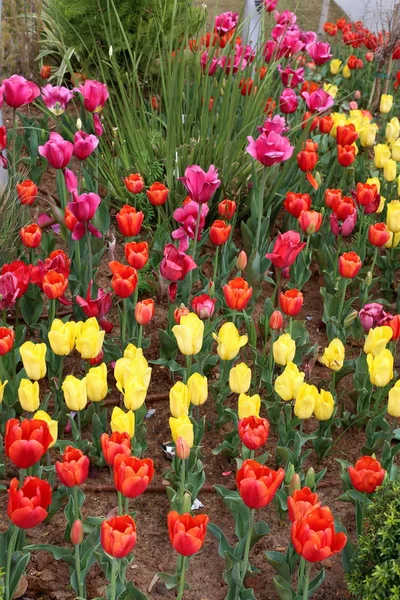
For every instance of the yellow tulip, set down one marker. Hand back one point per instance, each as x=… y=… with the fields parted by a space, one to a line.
x=123 y=422
x=377 y=339
x=386 y=104
x=229 y=341
x=395 y=149
x=182 y=427
x=367 y=135
x=96 y=382
x=389 y=170
x=179 y=399
x=134 y=392
x=126 y=368
x=331 y=89
x=333 y=356
x=346 y=72
x=306 y=401
x=28 y=395
x=284 y=349
x=382 y=203
x=2 y=386
x=393 y=216
x=75 y=392
x=394 y=400
x=131 y=351
x=335 y=66
x=249 y=406
x=380 y=368
x=376 y=181
x=392 y=130
x=324 y=406
x=381 y=155
x=34 y=359
x=240 y=378
x=287 y=384
x=393 y=244
x=89 y=338
x=189 y=334
x=198 y=389
x=62 y=337
x=398 y=185
x=41 y=415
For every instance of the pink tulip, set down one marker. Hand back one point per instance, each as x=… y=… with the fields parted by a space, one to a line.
x=345 y=228
x=286 y=248
x=269 y=5
x=212 y=66
x=290 y=44
x=57 y=151
x=373 y=315
x=71 y=181
x=308 y=37
x=320 y=52
x=17 y=91
x=281 y=29
x=95 y=95
x=270 y=149
x=84 y=144
x=56 y=98
x=286 y=17
x=204 y=306
x=84 y=208
x=318 y=101
x=201 y=185
x=174 y=267
x=291 y=77
x=8 y=290
x=226 y=22
x=97 y=124
x=271 y=51
x=98 y=307
x=187 y=216
x=276 y=124
x=288 y=101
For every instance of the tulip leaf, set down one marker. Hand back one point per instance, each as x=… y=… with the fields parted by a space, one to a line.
x=58 y=552
x=171 y=581
x=277 y=560
x=283 y=588
x=133 y=593
x=18 y=566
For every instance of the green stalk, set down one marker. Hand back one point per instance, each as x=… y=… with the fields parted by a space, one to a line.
x=140 y=334
x=260 y=209
x=181 y=590
x=123 y=324
x=182 y=481
x=10 y=552
x=248 y=545
x=307 y=581
x=120 y=504
x=75 y=499
x=274 y=297
x=113 y=582
x=342 y=298
x=215 y=269
x=189 y=359
x=81 y=589
x=90 y=255
x=52 y=311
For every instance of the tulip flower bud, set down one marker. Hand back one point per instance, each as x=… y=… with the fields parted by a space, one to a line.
x=310 y=478
x=77 y=533
x=357 y=95
x=350 y=318
x=241 y=261
x=180 y=312
x=290 y=473
x=78 y=124
x=182 y=449
x=294 y=484
x=187 y=503
x=211 y=289
x=368 y=279
x=276 y=320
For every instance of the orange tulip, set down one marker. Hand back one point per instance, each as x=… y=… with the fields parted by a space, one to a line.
x=237 y=293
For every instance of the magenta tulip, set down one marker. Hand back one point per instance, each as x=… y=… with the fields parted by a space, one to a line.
x=8 y=290
x=187 y=215
x=320 y=52
x=84 y=208
x=226 y=22
x=318 y=101
x=17 y=91
x=84 y=144
x=288 y=101
x=291 y=77
x=174 y=267
x=270 y=149
x=95 y=95
x=56 y=98
x=57 y=151
x=286 y=248
x=201 y=185
x=276 y=124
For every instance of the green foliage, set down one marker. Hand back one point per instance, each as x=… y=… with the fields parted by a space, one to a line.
x=375 y=573
x=11 y=220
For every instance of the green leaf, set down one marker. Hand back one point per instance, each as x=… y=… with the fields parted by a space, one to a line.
x=283 y=588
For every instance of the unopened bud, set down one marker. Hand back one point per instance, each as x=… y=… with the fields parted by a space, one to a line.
x=368 y=279
x=310 y=478
x=78 y=124
x=180 y=312
x=77 y=533
x=182 y=449
x=357 y=95
x=211 y=289
x=290 y=473
x=241 y=261
x=353 y=105
x=187 y=503
x=294 y=484
x=350 y=318
x=276 y=320
x=110 y=51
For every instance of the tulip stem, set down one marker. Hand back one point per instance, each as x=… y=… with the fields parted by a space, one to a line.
x=90 y=255
x=260 y=209
x=342 y=298
x=182 y=579
x=52 y=311
x=126 y=508
x=77 y=255
x=248 y=545
x=215 y=268
x=140 y=334
x=81 y=590
x=290 y=326
x=123 y=324
x=182 y=482
x=307 y=581
x=120 y=509
x=75 y=500
x=113 y=581
x=189 y=359
x=10 y=552
x=276 y=288
x=78 y=423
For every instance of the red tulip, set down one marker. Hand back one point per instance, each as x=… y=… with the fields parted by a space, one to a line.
x=245 y=86
x=314 y=536
x=74 y=468
x=394 y=324
x=187 y=533
x=331 y=196
x=237 y=293
x=325 y=124
x=129 y=221
x=307 y=158
x=220 y=232
x=137 y=254
x=310 y=221
x=378 y=234
x=180 y=312
x=77 y=533
x=27 y=507
x=22 y=272
x=343 y=207
x=132 y=475
x=367 y=474
x=97 y=307
x=301 y=503
x=27 y=441
x=27 y=192
x=124 y=279
x=45 y=71
x=157 y=194
x=346 y=135
x=226 y=209
x=7 y=337
x=69 y=219
x=54 y=284
x=291 y=302
x=366 y=193
x=204 y=306
x=118 y=536
x=258 y=484
x=330 y=28
x=253 y=431
x=144 y=311
x=134 y=183
x=117 y=443
x=31 y=235
x=286 y=248
x=346 y=155
x=295 y=203
x=276 y=320
x=349 y=265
